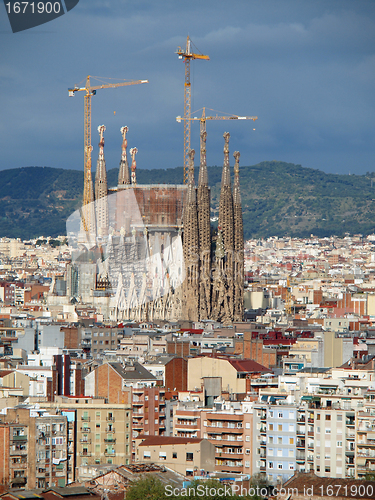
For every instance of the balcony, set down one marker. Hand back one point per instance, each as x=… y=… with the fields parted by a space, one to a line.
x=110 y=440
x=19 y=480
x=19 y=438
x=110 y=418
x=18 y=452
x=85 y=429
x=110 y=453
x=85 y=418
x=83 y=440
x=109 y=429
x=85 y=454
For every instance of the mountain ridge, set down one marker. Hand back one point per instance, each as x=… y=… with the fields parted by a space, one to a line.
x=278 y=199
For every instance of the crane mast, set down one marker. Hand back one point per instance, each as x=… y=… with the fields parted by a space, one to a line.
x=187 y=56
x=88 y=219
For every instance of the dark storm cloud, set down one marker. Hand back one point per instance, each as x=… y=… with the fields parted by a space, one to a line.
x=305 y=68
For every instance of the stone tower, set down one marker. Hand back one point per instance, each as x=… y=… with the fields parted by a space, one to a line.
x=101 y=189
x=204 y=228
x=238 y=243
x=224 y=305
x=190 y=306
x=123 y=173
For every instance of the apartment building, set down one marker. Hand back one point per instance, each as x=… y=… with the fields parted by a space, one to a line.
x=365 y=441
x=275 y=439
x=231 y=432
x=51 y=451
x=228 y=426
x=102 y=432
x=183 y=455
x=34 y=451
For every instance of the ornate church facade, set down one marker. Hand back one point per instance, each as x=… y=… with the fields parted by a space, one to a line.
x=158 y=256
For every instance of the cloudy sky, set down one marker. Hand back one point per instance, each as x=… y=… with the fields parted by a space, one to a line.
x=306 y=68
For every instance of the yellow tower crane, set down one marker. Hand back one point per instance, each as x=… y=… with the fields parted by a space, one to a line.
x=187 y=55
x=204 y=118
x=88 y=194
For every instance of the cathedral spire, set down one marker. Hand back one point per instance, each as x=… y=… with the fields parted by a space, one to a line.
x=203 y=176
x=204 y=226
x=238 y=244
x=191 y=248
x=101 y=191
x=225 y=178
x=123 y=174
x=224 y=302
x=133 y=152
x=192 y=198
x=236 y=185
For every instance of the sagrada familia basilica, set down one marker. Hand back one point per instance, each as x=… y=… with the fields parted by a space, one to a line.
x=157 y=256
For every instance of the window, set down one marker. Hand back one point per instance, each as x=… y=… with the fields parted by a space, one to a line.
x=291 y=440
x=97 y=437
x=156 y=421
x=270 y=439
x=318 y=429
x=247 y=451
x=280 y=427
x=339 y=444
x=270 y=427
x=339 y=418
x=279 y=453
x=98 y=415
x=270 y=451
x=247 y=425
x=318 y=416
x=162 y=455
x=97 y=448
x=318 y=468
x=270 y=465
x=291 y=466
x=327 y=469
x=328 y=417
x=291 y=453
x=156 y=397
x=146 y=454
x=174 y=454
x=189 y=457
x=279 y=440
x=247 y=438
x=279 y=466
x=291 y=427
x=247 y=464
x=328 y=431
x=271 y=414
x=280 y=414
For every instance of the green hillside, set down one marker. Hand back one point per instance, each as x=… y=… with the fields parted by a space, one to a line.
x=278 y=199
